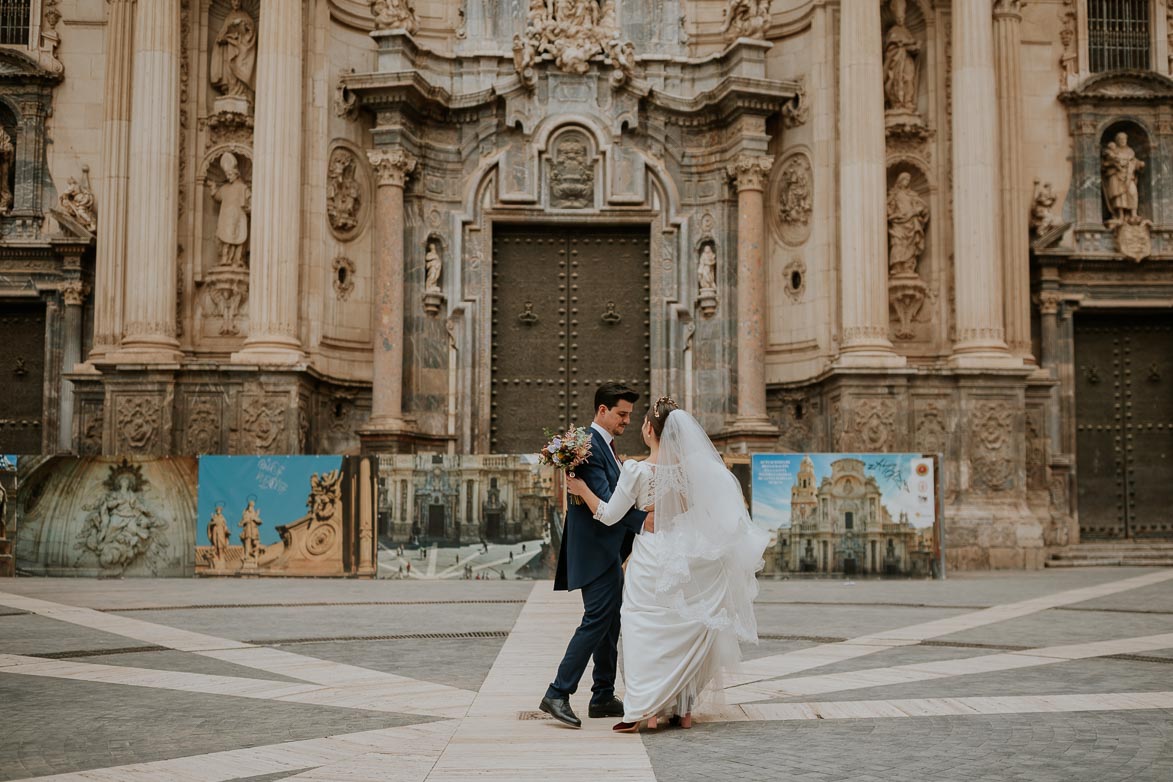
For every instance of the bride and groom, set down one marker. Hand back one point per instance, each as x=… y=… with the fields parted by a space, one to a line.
x=685 y=597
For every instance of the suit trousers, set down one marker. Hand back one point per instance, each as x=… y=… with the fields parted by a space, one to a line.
x=597 y=636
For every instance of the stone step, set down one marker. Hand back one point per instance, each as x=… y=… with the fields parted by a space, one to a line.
x=1146 y=545
x=1131 y=553
x=1128 y=561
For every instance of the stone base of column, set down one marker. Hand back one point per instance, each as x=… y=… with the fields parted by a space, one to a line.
x=748 y=435
x=985 y=358
x=269 y=354
x=870 y=359
x=145 y=353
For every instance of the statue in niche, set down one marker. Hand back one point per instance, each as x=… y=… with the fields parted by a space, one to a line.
x=900 y=52
x=218 y=535
x=747 y=19
x=7 y=157
x=234 y=59
x=343 y=192
x=1042 y=219
x=572 y=178
x=393 y=15
x=433 y=266
x=908 y=215
x=235 y=199
x=706 y=269
x=1120 y=166
x=250 y=531
x=78 y=201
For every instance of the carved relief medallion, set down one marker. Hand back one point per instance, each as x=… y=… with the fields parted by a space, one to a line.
x=990 y=447
x=572 y=175
x=138 y=423
x=347 y=194
x=264 y=424
x=793 y=199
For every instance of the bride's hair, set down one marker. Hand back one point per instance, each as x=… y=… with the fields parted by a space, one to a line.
x=657 y=414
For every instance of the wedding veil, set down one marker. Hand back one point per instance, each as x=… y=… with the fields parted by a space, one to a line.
x=710 y=548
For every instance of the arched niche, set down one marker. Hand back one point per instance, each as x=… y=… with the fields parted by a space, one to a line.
x=1139 y=140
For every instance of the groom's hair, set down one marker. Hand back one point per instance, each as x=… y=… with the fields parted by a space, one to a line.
x=609 y=395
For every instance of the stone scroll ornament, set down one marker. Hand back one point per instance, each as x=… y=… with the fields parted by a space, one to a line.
x=1119 y=167
x=572 y=33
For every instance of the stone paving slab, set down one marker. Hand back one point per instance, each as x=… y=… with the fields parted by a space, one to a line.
x=32 y=634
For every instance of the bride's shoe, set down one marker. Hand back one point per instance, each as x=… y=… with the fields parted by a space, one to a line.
x=625 y=727
x=686 y=721
x=653 y=723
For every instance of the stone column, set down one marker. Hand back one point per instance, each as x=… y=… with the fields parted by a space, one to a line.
x=113 y=186
x=153 y=202
x=74 y=294
x=392 y=167
x=366 y=520
x=749 y=173
x=274 y=264
x=977 y=261
x=863 y=219
x=1015 y=233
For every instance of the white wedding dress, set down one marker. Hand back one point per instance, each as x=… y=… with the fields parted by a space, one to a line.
x=689 y=586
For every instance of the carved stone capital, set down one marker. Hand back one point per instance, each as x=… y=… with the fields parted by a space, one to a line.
x=74 y=292
x=1049 y=302
x=1008 y=9
x=749 y=172
x=392 y=167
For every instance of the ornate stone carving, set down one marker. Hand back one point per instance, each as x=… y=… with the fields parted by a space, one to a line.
x=793 y=423
x=706 y=276
x=345 y=101
x=394 y=15
x=137 y=420
x=1119 y=165
x=871 y=427
x=901 y=51
x=1069 y=59
x=230 y=127
x=343 y=277
x=746 y=19
x=572 y=33
x=90 y=429
x=120 y=527
x=74 y=293
x=1036 y=449
x=234 y=61
x=991 y=463
x=572 y=173
x=227 y=289
x=794 y=199
x=50 y=38
x=794 y=278
x=264 y=424
x=749 y=172
x=1042 y=219
x=796 y=112
x=235 y=199
x=391 y=166
x=345 y=195
x=932 y=435
x=7 y=157
x=78 y=201
x=203 y=425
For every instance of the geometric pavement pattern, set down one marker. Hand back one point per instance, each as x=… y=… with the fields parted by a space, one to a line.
x=1090 y=696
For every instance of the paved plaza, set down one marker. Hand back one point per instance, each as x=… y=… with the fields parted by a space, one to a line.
x=993 y=676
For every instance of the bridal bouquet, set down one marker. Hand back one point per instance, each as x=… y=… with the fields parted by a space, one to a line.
x=566 y=450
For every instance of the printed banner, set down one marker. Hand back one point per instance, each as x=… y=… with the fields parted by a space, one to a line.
x=849 y=513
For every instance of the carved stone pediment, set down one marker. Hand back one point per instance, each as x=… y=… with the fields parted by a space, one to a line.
x=17 y=67
x=1121 y=86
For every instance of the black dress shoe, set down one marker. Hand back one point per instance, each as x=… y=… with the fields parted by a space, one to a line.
x=611 y=708
x=559 y=709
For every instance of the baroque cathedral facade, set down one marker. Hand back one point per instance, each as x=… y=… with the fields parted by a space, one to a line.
x=434 y=226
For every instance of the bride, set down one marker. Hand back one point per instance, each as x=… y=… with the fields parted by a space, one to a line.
x=689 y=588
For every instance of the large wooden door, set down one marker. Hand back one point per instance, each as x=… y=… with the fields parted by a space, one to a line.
x=1124 y=420
x=570 y=311
x=22 y=375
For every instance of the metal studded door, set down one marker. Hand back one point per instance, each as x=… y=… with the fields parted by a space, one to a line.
x=1124 y=420
x=22 y=375
x=570 y=311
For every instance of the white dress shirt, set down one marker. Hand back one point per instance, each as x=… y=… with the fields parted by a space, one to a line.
x=608 y=438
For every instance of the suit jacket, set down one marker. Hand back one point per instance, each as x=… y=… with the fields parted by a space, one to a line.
x=589 y=547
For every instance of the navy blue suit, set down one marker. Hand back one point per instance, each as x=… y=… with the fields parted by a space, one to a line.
x=591 y=559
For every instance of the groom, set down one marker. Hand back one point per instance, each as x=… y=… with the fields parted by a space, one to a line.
x=591 y=559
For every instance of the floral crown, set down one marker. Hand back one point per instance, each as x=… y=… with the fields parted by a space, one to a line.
x=661 y=401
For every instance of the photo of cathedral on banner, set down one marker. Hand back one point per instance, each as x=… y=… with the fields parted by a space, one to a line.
x=855 y=514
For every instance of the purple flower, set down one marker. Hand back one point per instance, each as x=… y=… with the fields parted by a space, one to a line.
x=556 y=443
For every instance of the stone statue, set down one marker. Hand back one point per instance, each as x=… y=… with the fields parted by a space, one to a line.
x=572 y=32
x=78 y=201
x=250 y=533
x=120 y=527
x=393 y=15
x=900 y=52
x=1120 y=165
x=908 y=215
x=234 y=60
x=7 y=157
x=218 y=534
x=433 y=265
x=706 y=269
x=343 y=193
x=235 y=199
x=747 y=19
x=1042 y=219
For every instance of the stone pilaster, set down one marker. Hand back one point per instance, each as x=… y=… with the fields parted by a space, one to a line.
x=73 y=293
x=274 y=265
x=863 y=220
x=387 y=427
x=977 y=260
x=153 y=202
x=1015 y=233
x=113 y=186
